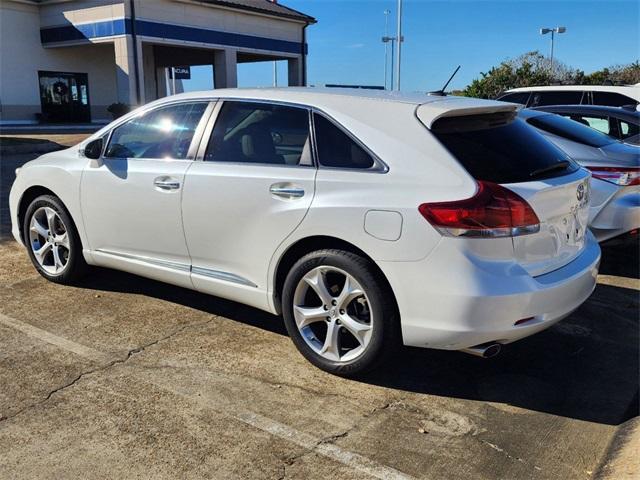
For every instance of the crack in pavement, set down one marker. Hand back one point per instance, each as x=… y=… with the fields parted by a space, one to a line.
x=508 y=455
x=330 y=439
x=118 y=361
x=324 y=446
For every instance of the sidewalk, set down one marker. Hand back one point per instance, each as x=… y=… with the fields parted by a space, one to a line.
x=622 y=461
x=37 y=129
x=38 y=142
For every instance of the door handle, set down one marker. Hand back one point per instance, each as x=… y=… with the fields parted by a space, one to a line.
x=286 y=190
x=166 y=183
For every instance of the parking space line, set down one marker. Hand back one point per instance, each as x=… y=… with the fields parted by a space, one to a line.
x=272 y=427
x=48 y=337
x=622 y=282
x=329 y=450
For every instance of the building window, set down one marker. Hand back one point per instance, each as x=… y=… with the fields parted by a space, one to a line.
x=64 y=97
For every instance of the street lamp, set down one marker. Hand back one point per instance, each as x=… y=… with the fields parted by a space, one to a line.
x=544 y=31
x=385 y=40
x=399 y=45
x=399 y=38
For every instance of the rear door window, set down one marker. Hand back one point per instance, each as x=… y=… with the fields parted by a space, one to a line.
x=252 y=132
x=500 y=149
x=518 y=97
x=574 y=131
x=556 y=98
x=599 y=123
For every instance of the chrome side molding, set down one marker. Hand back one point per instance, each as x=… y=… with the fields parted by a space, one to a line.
x=220 y=275
x=183 y=267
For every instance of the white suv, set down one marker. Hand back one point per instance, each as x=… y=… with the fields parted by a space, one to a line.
x=366 y=218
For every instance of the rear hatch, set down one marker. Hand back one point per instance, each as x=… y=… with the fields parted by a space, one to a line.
x=562 y=205
x=496 y=147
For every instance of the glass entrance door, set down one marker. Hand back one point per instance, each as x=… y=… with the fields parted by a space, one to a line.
x=64 y=97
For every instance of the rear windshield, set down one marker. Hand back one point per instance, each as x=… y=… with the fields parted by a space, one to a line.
x=500 y=149
x=571 y=130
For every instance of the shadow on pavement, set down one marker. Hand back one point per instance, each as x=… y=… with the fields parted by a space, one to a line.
x=586 y=367
x=621 y=259
x=116 y=281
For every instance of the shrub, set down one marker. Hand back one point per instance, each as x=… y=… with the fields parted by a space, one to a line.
x=118 y=109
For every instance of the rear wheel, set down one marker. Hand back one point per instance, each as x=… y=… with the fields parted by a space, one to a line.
x=339 y=312
x=52 y=240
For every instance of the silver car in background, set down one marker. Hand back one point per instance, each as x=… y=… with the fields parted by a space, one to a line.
x=621 y=123
x=615 y=166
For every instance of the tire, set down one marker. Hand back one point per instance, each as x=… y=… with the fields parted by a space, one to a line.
x=365 y=328
x=68 y=264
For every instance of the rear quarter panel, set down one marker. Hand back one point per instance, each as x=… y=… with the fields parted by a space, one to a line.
x=419 y=170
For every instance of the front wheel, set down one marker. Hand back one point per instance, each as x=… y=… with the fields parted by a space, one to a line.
x=339 y=312
x=52 y=241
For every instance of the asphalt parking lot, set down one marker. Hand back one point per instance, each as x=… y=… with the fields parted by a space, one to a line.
x=123 y=377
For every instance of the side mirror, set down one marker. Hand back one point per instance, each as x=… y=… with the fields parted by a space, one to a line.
x=93 y=149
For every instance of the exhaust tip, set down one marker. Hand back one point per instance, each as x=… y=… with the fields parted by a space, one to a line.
x=484 y=350
x=492 y=350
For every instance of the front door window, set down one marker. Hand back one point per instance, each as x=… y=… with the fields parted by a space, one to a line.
x=64 y=97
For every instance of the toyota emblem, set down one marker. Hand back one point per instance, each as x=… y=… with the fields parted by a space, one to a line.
x=580 y=192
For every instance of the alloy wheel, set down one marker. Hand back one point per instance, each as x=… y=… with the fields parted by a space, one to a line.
x=332 y=313
x=49 y=240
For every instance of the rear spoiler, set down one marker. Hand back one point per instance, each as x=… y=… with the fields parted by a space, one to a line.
x=429 y=113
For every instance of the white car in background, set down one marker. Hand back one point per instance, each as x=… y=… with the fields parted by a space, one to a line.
x=365 y=218
x=609 y=95
x=614 y=165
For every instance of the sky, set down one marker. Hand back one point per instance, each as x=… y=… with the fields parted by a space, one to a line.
x=345 y=45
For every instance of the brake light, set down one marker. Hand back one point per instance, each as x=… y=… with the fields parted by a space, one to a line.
x=623 y=176
x=494 y=211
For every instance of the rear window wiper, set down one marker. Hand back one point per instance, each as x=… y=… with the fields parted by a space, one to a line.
x=556 y=166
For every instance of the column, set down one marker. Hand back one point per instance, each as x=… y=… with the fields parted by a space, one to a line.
x=225 y=68
x=125 y=71
x=295 y=72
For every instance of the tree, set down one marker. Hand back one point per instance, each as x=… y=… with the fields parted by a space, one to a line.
x=527 y=70
x=616 y=75
x=533 y=68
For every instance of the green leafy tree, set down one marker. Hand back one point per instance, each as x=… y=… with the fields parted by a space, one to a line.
x=615 y=75
x=527 y=70
x=533 y=68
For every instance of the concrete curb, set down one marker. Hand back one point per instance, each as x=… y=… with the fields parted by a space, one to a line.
x=44 y=147
x=622 y=460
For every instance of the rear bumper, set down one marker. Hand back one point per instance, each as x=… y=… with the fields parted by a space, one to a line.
x=453 y=301
x=619 y=215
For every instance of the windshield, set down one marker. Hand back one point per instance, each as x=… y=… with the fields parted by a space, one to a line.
x=571 y=130
x=501 y=150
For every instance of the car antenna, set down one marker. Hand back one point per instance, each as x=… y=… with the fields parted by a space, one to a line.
x=441 y=92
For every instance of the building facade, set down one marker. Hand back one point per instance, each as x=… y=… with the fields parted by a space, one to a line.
x=66 y=61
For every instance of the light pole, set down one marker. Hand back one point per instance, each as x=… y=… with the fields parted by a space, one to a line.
x=386 y=45
x=553 y=31
x=275 y=73
x=399 y=45
x=395 y=44
x=386 y=40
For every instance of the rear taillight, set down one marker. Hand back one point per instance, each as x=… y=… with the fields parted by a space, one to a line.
x=623 y=176
x=494 y=211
